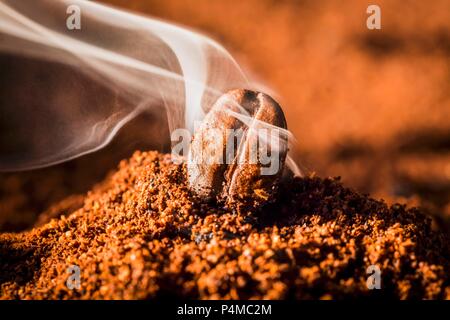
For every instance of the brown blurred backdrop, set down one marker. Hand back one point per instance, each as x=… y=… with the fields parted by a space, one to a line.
x=371 y=106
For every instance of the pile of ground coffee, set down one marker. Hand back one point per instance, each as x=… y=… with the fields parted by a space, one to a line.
x=142 y=234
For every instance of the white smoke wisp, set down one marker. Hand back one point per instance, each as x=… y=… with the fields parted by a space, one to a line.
x=116 y=66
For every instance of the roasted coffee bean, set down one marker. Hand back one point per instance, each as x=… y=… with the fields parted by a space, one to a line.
x=238 y=152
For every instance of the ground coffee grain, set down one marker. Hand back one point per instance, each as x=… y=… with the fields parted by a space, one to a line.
x=142 y=234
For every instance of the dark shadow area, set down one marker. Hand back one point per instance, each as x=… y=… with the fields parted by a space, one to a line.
x=350 y=149
x=425 y=140
x=381 y=43
x=18 y=263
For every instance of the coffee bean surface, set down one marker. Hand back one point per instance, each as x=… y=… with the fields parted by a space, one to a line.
x=239 y=150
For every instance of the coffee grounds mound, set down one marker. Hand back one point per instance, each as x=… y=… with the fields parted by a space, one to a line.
x=142 y=234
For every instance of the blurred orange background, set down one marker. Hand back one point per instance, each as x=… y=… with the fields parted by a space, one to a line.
x=371 y=106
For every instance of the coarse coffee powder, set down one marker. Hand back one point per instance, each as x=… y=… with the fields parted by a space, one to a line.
x=142 y=234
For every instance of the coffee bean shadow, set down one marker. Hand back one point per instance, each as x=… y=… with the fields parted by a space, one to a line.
x=17 y=265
